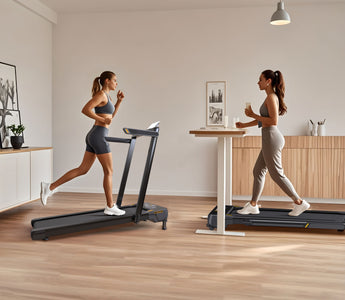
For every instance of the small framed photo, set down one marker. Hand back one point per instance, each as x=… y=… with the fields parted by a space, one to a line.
x=215 y=103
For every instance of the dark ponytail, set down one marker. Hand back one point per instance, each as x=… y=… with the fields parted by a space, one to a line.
x=98 y=82
x=278 y=86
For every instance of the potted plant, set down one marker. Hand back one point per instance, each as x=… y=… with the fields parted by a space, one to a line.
x=17 y=140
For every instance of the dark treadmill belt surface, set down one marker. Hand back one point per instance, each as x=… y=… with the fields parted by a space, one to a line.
x=56 y=225
x=280 y=218
x=75 y=219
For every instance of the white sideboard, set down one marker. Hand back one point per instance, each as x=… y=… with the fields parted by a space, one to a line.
x=21 y=172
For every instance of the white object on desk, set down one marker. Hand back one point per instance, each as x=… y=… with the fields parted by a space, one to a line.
x=224 y=181
x=226 y=121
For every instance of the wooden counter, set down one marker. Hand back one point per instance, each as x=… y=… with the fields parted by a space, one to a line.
x=314 y=164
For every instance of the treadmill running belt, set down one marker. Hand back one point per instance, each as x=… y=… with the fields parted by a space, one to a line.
x=56 y=225
x=280 y=218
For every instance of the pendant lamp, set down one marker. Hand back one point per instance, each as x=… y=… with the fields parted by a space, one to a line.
x=280 y=17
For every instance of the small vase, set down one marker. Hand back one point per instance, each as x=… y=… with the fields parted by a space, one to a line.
x=321 y=130
x=314 y=130
x=17 y=141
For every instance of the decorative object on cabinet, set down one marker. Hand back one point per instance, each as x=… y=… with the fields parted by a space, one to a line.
x=215 y=103
x=17 y=140
x=9 y=107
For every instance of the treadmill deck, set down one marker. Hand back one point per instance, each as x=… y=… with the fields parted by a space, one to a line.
x=280 y=218
x=42 y=228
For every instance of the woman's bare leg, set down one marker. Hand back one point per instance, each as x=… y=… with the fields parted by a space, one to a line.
x=86 y=164
x=106 y=161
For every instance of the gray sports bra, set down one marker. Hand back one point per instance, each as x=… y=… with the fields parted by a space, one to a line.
x=105 y=109
x=263 y=113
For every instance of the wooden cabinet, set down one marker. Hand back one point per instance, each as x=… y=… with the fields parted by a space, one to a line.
x=21 y=172
x=314 y=164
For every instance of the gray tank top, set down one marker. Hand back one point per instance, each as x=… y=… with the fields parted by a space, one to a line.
x=105 y=109
x=263 y=113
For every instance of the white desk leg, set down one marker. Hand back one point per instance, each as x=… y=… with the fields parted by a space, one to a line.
x=228 y=199
x=221 y=184
x=224 y=159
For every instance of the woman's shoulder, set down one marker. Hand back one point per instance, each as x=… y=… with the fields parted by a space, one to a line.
x=100 y=96
x=271 y=98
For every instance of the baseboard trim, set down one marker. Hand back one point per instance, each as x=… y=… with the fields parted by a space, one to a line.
x=197 y=194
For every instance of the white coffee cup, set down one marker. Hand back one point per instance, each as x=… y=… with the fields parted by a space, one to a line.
x=226 y=121
x=248 y=104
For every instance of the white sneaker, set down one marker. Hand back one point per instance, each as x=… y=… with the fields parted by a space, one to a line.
x=249 y=209
x=299 y=209
x=46 y=192
x=114 y=211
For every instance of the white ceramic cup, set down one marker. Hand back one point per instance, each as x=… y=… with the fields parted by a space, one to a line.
x=226 y=121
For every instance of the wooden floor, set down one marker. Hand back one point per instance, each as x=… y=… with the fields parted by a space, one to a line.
x=141 y=261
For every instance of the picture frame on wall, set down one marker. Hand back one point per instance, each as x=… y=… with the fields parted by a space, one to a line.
x=9 y=106
x=215 y=103
x=8 y=87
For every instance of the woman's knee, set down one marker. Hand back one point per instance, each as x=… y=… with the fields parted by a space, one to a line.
x=83 y=170
x=259 y=172
x=108 y=171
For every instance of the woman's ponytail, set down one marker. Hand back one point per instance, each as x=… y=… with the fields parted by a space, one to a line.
x=278 y=85
x=96 y=87
x=98 y=82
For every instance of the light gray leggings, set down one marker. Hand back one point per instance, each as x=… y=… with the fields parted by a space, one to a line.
x=270 y=159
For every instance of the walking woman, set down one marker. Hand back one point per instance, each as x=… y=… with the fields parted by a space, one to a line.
x=102 y=110
x=272 y=144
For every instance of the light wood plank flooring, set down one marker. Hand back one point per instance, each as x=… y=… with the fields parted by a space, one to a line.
x=141 y=261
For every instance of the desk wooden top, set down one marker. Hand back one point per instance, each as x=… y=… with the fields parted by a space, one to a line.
x=219 y=132
x=29 y=149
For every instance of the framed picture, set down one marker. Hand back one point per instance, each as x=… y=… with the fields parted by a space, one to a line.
x=9 y=107
x=8 y=87
x=215 y=103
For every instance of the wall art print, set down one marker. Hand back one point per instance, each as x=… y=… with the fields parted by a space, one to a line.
x=215 y=103
x=9 y=107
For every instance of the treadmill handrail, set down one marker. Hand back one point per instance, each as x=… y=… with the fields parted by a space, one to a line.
x=140 y=132
x=117 y=140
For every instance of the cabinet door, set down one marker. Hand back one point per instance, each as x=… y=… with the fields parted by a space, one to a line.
x=14 y=179
x=41 y=170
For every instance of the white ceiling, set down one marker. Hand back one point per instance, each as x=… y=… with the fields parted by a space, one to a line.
x=89 y=6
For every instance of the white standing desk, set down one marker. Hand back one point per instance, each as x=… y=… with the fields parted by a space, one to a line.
x=224 y=179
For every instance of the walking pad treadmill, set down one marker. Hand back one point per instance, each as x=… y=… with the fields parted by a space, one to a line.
x=280 y=218
x=43 y=228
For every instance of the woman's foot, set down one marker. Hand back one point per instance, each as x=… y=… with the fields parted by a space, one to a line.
x=299 y=208
x=46 y=192
x=249 y=209
x=114 y=211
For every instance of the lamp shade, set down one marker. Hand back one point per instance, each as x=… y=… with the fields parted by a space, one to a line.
x=280 y=17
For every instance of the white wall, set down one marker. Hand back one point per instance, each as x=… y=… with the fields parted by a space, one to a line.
x=163 y=60
x=26 y=42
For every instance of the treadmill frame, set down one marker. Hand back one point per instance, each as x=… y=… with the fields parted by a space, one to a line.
x=134 y=213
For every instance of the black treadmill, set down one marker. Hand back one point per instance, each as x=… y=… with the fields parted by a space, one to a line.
x=280 y=218
x=43 y=228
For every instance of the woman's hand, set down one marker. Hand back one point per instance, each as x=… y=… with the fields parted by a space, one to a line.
x=249 y=112
x=240 y=125
x=107 y=120
x=120 y=96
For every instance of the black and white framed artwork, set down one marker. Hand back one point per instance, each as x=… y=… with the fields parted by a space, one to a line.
x=215 y=103
x=9 y=107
